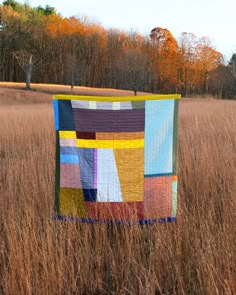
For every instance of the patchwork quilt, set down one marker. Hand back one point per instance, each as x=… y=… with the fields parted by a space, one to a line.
x=116 y=158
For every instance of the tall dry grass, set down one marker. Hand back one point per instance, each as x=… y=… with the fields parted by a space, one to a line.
x=195 y=255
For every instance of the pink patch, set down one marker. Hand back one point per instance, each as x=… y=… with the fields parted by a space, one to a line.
x=68 y=142
x=70 y=176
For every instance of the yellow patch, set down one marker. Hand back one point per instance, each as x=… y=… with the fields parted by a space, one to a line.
x=110 y=144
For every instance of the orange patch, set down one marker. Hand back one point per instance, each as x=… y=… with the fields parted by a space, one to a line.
x=175 y=178
x=157 y=197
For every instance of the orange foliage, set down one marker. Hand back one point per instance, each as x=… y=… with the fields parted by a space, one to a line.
x=164 y=41
x=7 y=13
x=210 y=58
x=56 y=25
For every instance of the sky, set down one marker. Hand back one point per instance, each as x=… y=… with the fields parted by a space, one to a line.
x=214 y=19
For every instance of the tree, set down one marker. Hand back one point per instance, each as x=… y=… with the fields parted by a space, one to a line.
x=164 y=59
x=48 y=10
x=14 y=4
x=163 y=40
x=208 y=59
x=196 y=59
x=232 y=65
x=186 y=63
x=25 y=60
x=222 y=83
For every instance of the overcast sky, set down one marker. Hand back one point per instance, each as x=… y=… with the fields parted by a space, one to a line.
x=211 y=18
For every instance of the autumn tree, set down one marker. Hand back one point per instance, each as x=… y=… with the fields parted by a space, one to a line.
x=186 y=63
x=196 y=58
x=208 y=59
x=164 y=58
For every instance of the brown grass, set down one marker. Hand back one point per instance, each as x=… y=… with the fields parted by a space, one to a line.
x=66 y=89
x=195 y=255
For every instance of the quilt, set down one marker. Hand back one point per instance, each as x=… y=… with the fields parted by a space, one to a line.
x=116 y=158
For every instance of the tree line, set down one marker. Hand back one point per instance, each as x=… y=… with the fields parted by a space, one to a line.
x=40 y=42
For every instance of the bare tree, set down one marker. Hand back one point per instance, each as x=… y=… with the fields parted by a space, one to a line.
x=25 y=60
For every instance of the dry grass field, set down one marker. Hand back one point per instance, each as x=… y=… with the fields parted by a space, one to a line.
x=195 y=255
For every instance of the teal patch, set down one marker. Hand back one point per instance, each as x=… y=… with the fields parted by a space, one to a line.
x=174 y=197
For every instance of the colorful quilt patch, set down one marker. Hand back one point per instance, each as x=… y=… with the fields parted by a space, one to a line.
x=116 y=158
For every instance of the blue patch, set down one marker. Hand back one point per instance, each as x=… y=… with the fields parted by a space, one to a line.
x=66 y=117
x=158 y=137
x=90 y=195
x=56 y=114
x=86 y=158
x=69 y=159
x=67 y=150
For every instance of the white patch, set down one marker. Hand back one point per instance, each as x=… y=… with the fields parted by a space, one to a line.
x=92 y=105
x=116 y=105
x=108 y=183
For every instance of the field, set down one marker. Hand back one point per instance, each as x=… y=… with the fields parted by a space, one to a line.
x=195 y=255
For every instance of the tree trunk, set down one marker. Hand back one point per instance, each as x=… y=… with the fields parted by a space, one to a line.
x=28 y=73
